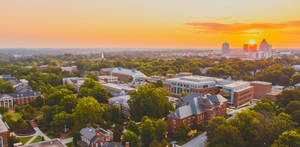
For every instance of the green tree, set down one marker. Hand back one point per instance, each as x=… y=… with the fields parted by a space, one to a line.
x=131 y=138
x=149 y=101
x=69 y=102
x=118 y=130
x=161 y=129
x=215 y=122
x=93 y=76
x=292 y=107
x=288 y=139
x=38 y=102
x=6 y=87
x=181 y=134
x=147 y=131
x=132 y=126
x=295 y=79
x=3 y=110
x=227 y=136
x=88 y=110
x=94 y=89
x=60 y=120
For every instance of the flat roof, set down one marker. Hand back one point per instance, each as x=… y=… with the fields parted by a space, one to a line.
x=236 y=84
x=261 y=82
x=274 y=92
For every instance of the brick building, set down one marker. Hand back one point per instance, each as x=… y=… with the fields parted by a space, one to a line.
x=24 y=95
x=237 y=92
x=4 y=134
x=261 y=89
x=196 y=109
x=91 y=137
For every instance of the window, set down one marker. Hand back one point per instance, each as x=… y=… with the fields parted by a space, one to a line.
x=1 y=141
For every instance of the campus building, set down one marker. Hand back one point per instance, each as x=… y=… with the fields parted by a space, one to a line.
x=91 y=137
x=118 y=89
x=196 y=109
x=24 y=95
x=237 y=92
x=4 y=134
x=122 y=103
x=123 y=74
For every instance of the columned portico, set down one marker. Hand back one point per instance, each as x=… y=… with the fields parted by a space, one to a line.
x=6 y=101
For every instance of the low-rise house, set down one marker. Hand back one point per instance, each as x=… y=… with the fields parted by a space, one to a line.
x=4 y=134
x=123 y=74
x=91 y=137
x=196 y=109
x=121 y=101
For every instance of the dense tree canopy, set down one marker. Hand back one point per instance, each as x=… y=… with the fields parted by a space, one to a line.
x=150 y=101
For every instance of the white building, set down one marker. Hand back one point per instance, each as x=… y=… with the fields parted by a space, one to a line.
x=118 y=89
x=75 y=81
x=6 y=101
x=121 y=101
x=69 y=69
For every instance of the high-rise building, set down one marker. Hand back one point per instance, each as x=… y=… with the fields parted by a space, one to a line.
x=265 y=46
x=253 y=47
x=246 y=48
x=250 y=47
x=225 y=47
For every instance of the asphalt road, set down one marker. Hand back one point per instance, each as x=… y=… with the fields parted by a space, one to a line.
x=198 y=141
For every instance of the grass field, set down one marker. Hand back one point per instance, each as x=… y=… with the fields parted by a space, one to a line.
x=70 y=144
x=37 y=139
x=16 y=116
x=24 y=139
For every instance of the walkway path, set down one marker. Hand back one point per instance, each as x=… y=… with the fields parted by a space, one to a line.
x=37 y=133
x=67 y=140
x=198 y=141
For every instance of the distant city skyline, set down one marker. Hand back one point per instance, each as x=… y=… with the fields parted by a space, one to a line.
x=148 y=24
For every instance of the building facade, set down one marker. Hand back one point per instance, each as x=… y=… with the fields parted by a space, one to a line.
x=196 y=109
x=6 y=101
x=121 y=101
x=4 y=134
x=261 y=89
x=91 y=137
x=237 y=92
x=123 y=74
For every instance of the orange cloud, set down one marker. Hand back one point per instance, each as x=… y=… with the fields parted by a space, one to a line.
x=240 y=28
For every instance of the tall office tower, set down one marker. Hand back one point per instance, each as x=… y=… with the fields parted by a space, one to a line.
x=225 y=47
x=246 y=47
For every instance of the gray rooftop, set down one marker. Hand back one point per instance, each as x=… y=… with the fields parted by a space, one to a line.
x=88 y=132
x=191 y=104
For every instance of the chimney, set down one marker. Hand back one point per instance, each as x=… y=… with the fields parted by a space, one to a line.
x=127 y=144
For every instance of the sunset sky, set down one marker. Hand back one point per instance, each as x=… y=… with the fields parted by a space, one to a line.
x=148 y=23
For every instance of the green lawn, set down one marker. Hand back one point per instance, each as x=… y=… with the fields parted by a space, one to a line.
x=25 y=139
x=16 y=116
x=37 y=139
x=70 y=144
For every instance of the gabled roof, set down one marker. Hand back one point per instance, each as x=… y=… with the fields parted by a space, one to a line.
x=192 y=104
x=88 y=132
